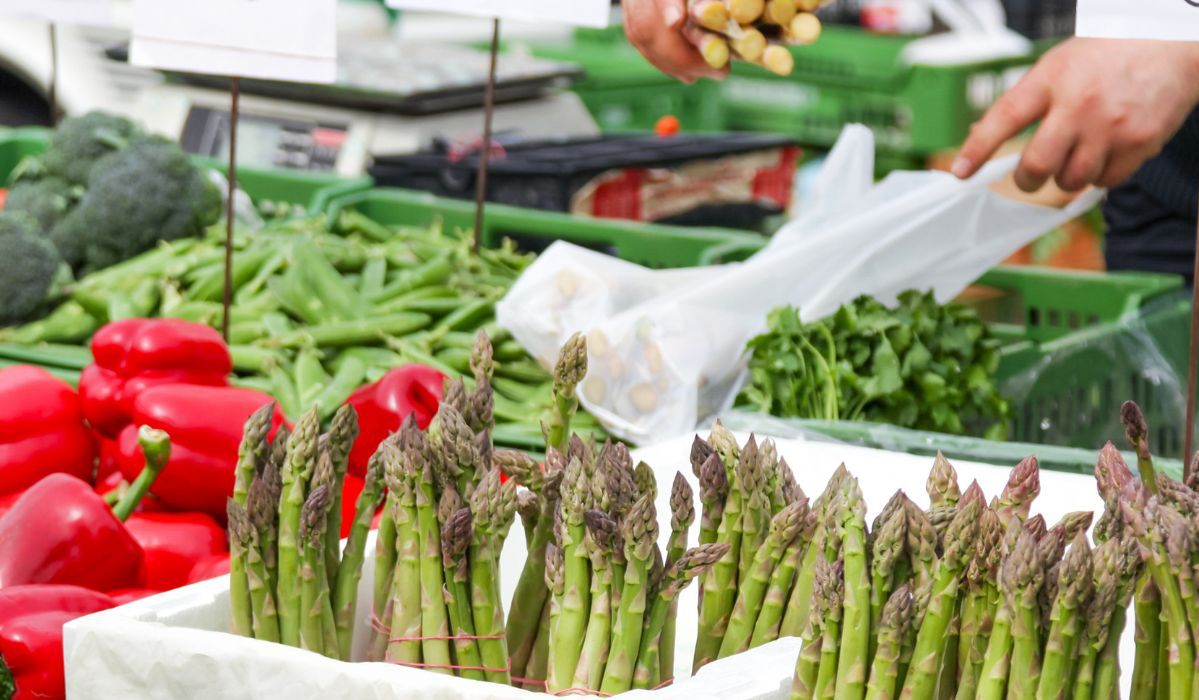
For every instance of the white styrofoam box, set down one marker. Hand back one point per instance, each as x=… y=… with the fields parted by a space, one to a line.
x=176 y=645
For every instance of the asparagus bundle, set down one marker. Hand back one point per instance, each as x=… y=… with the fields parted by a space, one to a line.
x=975 y=600
x=448 y=512
x=752 y=504
x=290 y=579
x=755 y=31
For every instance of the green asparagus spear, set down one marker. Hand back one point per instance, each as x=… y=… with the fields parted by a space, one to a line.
x=960 y=540
x=455 y=539
x=640 y=534
x=1137 y=432
x=891 y=629
x=566 y=642
x=980 y=604
x=601 y=534
x=240 y=603
x=402 y=644
x=314 y=589
x=888 y=546
x=713 y=491
x=349 y=571
x=690 y=564
x=720 y=584
x=1020 y=577
x=853 y=659
x=343 y=431
x=568 y=372
x=493 y=506
x=1061 y=646
x=942 y=486
x=1023 y=487
x=262 y=506
x=830 y=581
x=782 y=580
x=1105 y=578
x=783 y=528
x=682 y=515
x=296 y=471
x=252 y=451
x=1142 y=516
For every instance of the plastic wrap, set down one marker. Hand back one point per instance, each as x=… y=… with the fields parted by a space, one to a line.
x=666 y=346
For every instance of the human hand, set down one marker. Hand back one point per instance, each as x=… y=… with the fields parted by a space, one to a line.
x=1106 y=106
x=660 y=31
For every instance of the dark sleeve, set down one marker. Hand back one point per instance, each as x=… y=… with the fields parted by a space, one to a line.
x=1151 y=218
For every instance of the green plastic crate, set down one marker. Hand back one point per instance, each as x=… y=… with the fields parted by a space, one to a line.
x=625 y=93
x=652 y=245
x=852 y=76
x=311 y=190
x=1079 y=344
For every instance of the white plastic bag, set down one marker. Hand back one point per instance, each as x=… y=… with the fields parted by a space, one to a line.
x=665 y=347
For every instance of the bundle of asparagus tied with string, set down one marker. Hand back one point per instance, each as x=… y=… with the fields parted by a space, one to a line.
x=970 y=599
x=437 y=602
x=290 y=579
x=600 y=618
x=755 y=31
x=751 y=506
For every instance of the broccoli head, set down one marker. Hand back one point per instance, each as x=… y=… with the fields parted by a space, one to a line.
x=28 y=268
x=79 y=142
x=140 y=195
x=46 y=201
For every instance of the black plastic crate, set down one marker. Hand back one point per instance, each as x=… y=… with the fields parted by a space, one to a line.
x=547 y=175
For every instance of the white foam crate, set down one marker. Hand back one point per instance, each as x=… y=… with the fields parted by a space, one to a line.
x=176 y=645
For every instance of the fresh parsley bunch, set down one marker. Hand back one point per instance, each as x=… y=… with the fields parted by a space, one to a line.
x=919 y=365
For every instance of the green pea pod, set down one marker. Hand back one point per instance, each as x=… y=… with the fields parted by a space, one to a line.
x=343 y=334
x=433 y=272
x=433 y=307
x=310 y=376
x=469 y=315
x=346 y=379
x=140 y=303
x=257 y=383
x=210 y=286
x=277 y=324
x=284 y=391
x=251 y=358
x=458 y=358
x=69 y=323
x=258 y=282
x=47 y=355
x=374 y=276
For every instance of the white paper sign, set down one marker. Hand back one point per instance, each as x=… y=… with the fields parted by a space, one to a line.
x=1173 y=20
x=294 y=40
x=580 y=13
x=96 y=13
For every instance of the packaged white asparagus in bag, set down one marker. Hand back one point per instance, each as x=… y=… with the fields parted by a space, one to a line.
x=666 y=347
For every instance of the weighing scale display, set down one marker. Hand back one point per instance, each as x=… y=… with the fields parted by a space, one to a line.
x=263 y=141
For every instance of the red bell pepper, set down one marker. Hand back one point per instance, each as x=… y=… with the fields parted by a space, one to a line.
x=138 y=353
x=41 y=429
x=383 y=406
x=213 y=566
x=31 y=620
x=173 y=544
x=205 y=424
x=61 y=531
x=109 y=462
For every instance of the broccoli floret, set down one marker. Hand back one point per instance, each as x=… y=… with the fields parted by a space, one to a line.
x=140 y=195
x=28 y=268
x=79 y=142
x=46 y=201
x=69 y=237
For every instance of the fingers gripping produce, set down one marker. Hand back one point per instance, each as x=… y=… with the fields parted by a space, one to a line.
x=755 y=31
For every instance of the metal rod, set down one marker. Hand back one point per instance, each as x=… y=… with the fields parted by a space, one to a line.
x=235 y=97
x=1191 y=366
x=52 y=87
x=485 y=154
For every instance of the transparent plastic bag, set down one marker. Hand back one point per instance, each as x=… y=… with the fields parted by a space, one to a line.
x=666 y=347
